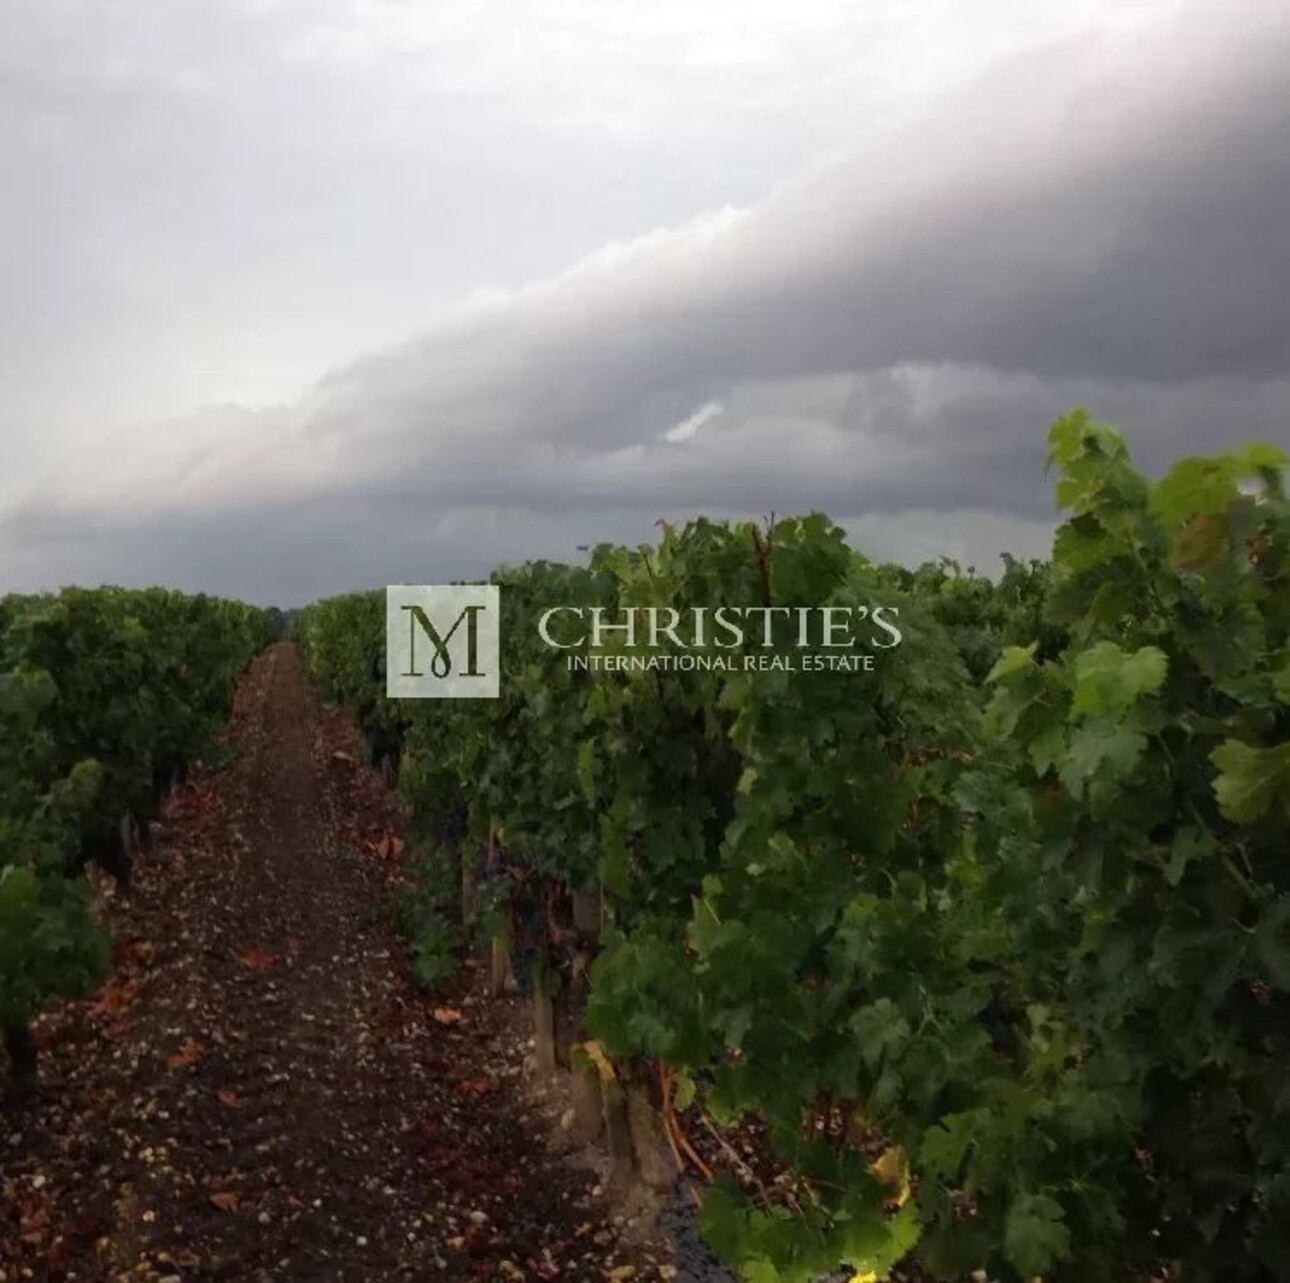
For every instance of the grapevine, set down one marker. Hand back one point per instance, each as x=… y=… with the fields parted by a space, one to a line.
x=1015 y=904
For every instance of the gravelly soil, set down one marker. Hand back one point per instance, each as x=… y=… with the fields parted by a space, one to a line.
x=260 y=1094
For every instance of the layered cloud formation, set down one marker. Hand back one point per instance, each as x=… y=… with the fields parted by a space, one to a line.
x=1099 y=222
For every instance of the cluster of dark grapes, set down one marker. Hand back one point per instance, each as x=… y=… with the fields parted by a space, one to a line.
x=530 y=927
x=695 y=1260
x=446 y=826
x=111 y=844
x=382 y=726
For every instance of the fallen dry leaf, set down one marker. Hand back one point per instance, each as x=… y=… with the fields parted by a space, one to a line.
x=389 y=847
x=117 y=994
x=256 y=960
x=33 y=1213
x=227 y=1098
x=189 y=1054
x=226 y=1201
x=447 y=1015
x=133 y=951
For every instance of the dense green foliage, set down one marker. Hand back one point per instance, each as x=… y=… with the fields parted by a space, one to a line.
x=104 y=693
x=423 y=916
x=1015 y=904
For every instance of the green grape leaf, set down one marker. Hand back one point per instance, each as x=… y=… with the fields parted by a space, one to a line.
x=1097 y=748
x=1035 y=1234
x=945 y=1146
x=1251 y=781
x=1110 y=680
x=1194 y=487
x=683 y=1090
x=1014 y=659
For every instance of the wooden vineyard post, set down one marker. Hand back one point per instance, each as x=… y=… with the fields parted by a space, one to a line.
x=587 y=914
x=501 y=954
x=565 y=1023
x=618 y=1136
x=469 y=878
x=588 y=1105
x=470 y=875
x=543 y=1021
x=649 y=1145
x=501 y=965
x=584 y=1079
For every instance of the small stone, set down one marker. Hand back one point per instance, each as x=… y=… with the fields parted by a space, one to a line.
x=265 y=1218
x=361 y=1241
x=38 y=1183
x=478 y=1218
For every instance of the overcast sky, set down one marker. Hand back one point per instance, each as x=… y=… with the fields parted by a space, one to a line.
x=303 y=295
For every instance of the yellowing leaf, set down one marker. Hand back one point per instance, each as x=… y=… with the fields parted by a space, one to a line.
x=891 y=1167
x=596 y=1054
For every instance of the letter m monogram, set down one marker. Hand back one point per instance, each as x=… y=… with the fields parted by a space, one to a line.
x=442 y=641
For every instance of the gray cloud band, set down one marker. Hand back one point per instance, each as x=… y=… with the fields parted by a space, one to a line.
x=1099 y=225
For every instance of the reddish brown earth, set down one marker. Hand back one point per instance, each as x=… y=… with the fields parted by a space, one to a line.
x=259 y=1093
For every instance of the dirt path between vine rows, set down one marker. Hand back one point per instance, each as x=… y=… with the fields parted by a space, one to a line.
x=259 y=1093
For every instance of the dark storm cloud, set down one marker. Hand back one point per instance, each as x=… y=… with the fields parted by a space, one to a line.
x=1103 y=224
